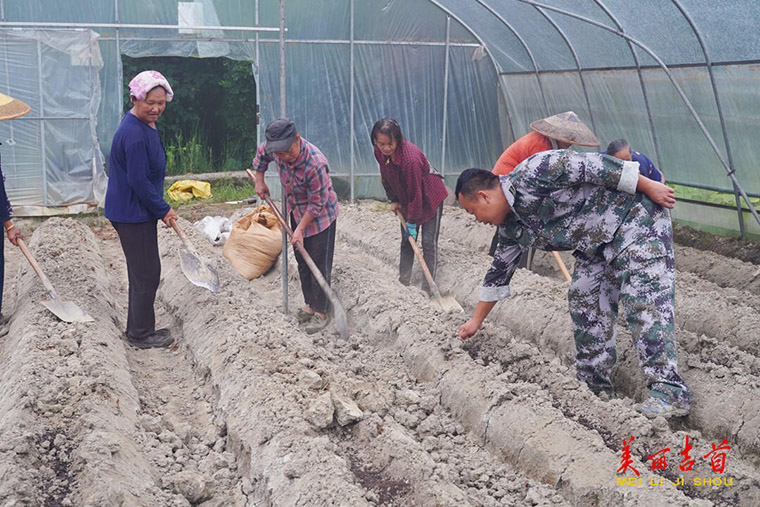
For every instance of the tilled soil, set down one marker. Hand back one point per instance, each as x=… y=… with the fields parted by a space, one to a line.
x=247 y=409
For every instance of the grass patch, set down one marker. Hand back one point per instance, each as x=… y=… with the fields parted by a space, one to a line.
x=711 y=196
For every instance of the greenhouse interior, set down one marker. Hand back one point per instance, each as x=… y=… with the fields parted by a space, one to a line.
x=676 y=78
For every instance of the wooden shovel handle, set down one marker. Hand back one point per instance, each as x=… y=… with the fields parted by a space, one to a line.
x=176 y=228
x=45 y=280
x=562 y=266
x=428 y=276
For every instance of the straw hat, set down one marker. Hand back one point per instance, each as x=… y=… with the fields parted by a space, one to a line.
x=11 y=108
x=566 y=127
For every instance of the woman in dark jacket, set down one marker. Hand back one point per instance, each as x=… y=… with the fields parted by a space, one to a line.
x=414 y=187
x=135 y=203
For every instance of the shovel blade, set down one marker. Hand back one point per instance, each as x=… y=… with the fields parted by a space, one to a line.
x=199 y=273
x=66 y=311
x=449 y=304
x=340 y=318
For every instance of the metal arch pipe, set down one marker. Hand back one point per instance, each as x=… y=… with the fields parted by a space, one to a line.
x=641 y=82
x=525 y=46
x=708 y=62
x=577 y=62
x=496 y=67
x=675 y=85
x=469 y=29
x=444 y=120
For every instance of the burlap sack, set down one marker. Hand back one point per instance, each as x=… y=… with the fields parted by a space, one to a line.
x=254 y=243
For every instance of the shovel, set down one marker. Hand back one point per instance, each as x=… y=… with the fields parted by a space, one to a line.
x=200 y=273
x=448 y=303
x=64 y=310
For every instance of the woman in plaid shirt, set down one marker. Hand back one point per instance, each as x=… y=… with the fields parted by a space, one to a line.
x=312 y=205
x=414 y=187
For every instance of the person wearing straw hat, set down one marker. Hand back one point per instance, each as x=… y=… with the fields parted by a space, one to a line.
x=559 y=131
x=554 y=132
x=9 y=108
x=617 y=223
x=135 y=203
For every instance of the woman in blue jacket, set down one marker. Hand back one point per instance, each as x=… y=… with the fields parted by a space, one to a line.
x=135 y=203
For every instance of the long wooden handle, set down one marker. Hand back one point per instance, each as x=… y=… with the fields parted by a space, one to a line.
x=176 y=228
x=561 y=265
x=425 y=270
x=45 y=280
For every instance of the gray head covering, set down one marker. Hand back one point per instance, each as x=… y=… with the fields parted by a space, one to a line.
x=280 y=135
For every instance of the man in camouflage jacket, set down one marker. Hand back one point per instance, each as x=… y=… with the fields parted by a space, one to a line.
x=618 y=225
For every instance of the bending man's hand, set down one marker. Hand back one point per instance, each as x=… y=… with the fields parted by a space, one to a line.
x=659 y=193
x=468 y=329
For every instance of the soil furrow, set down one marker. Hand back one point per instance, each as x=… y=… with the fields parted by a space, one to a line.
x=709 y=417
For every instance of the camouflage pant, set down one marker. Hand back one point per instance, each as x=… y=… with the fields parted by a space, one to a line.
x=636 y=269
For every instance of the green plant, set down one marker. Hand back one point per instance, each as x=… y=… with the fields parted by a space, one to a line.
x=183 y=157
x=698 y=194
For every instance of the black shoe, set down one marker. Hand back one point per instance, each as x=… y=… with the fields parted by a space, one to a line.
x=4 y=318
x=159 y=338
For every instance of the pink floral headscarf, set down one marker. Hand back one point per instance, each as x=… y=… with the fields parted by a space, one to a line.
x=145 y=81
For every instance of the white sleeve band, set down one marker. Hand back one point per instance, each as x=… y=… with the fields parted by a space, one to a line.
x=489 y=294
x=629 y=177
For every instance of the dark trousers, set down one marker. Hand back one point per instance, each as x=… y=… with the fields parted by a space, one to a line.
x=2 y=268
x=320 y=248
x=140 y=245
x=429 y=232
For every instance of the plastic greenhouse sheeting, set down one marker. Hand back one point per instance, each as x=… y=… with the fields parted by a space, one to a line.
x=51 y=156
x=464 y=79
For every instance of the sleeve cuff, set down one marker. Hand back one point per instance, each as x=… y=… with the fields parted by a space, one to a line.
x=490 y=294
x=629 y=178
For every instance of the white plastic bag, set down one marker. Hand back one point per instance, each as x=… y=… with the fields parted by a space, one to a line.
x=215 y=229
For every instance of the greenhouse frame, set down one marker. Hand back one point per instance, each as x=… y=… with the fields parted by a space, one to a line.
x=463 y=78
